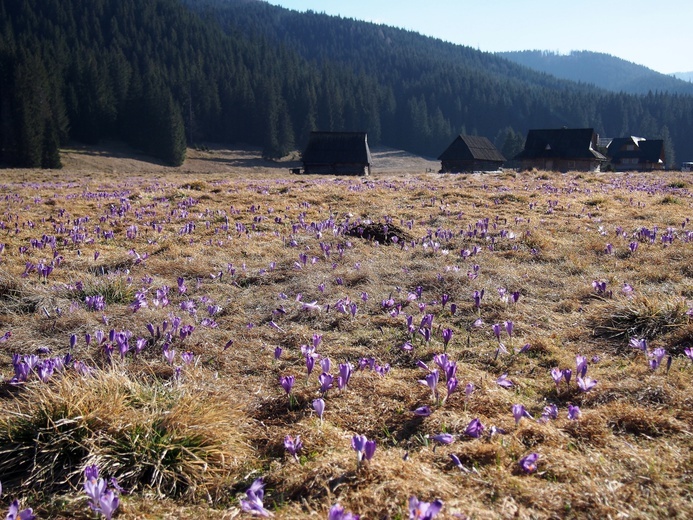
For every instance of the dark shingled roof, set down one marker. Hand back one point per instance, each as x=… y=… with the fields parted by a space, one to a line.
x=647 y=150
x=337 y=148
x=652 y=150
x=469 y=148
x=560 y=143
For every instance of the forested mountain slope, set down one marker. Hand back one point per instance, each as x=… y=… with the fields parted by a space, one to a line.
x=160 y=73
x=602 y=70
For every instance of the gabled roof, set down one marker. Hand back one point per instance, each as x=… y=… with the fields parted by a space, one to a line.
x=560 y=143
x=337 y=148
x=647 y=150
x=469 y=148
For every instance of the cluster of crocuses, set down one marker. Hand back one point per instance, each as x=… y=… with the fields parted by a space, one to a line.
x=102 y=498
x=44 y=369
x=449 y=370
x=584 y=383
x=654 y=358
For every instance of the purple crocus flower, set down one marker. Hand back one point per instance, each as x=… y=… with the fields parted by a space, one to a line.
x=640 y=344
x=509 y=327
x=94 y=488
x=496 y=330
x=253 y=503
x=187 y=357
x=363 y=447
x=556 y=375
x=504 y=381
x=451 y=385
x=358 y=442
x=15 y=514
x=419 y=510
x=574 y=412
x=108 y=503
x=325 y=381
x=586 y=384
x=550 y=412
x=337 y=512
x=567 y=374
x=519 y=412
x=369 y=450
x=474 y=428
x=169 y=354
x=580 y=366
x=310 y=363
x=656 y=357
x=468 y=389
x=441 y=360
x=325 y=364
x=528 y=463
x=689 y=352
x=345 y=370
x=293 y=445
x=443 y=438
x=319 y=407
x=278 y=352
x=444 y=299
x=423 y=411
x=287 y=383
x=447 y=336
x=478 y=296
x=431 y=380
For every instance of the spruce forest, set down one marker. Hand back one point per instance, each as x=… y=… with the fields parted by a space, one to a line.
x=163 y=74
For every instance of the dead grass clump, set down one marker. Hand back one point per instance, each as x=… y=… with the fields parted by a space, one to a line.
x=478 y=453
x=17 y=296
x=641 y=317
x=165 y=439
x=624 y=418
x=590 y=429
x=533 y=434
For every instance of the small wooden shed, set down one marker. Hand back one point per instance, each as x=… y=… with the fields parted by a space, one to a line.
x=561 y=149
x=337 y=153
x=470 y=153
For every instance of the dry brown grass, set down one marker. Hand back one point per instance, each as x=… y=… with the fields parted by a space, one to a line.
x=196 y=444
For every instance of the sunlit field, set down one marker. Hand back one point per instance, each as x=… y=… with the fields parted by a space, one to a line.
x=510 y=345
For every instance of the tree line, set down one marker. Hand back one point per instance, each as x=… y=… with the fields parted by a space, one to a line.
x=163 y=74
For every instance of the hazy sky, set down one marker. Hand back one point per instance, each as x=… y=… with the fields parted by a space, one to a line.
x=657 y=34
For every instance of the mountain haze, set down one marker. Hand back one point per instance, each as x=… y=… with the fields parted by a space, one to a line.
x=160 y=74
x=599 y=69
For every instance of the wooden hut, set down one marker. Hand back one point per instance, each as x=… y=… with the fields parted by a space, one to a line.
x=337 y=153
x=469 y=153
x=636 y=154
x=561 y=149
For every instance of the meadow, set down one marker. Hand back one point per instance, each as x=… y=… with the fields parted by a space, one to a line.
x=510 y=345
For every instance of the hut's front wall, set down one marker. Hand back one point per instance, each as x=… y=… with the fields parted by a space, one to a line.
x=562 y=165
x=469 y=166
x=337 y=169
x=640 y=167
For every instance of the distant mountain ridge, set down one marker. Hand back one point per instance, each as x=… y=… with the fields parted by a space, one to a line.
x=601 y=70
x=684 y=76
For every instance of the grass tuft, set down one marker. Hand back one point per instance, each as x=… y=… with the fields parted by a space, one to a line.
x=641 y=316
x=164 y=439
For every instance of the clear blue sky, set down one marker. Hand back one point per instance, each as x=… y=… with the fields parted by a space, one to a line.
x=657 y=34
